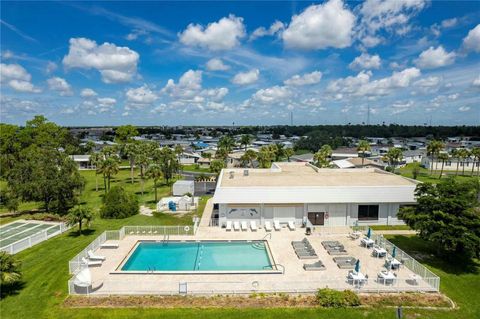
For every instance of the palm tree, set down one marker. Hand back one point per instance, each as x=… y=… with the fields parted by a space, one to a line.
x=393 y=157
x=245 y=140
x=178 y=150
x=216 y=166
x=143 y=161
x=433 y=149
x=96 y=159
x=279 y=151
x=108 y=168
x=363 y=147
x=77 y=215
x=265 y=156
x=131 y=151
x=463 y=154
x=322 y=156
x=9 y=269
x=456 y=155
x=289 y=153
x=443 y=157
x=227 y=143
x=248 y=157
x=154 y=172
x=476 y=159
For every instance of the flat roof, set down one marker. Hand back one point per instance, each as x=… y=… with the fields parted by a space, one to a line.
x=295 y=174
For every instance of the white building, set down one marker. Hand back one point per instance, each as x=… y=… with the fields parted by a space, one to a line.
x=299 y=191
x=183 y=187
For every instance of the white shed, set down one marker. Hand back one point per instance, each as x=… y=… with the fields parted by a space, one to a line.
x=182 y=187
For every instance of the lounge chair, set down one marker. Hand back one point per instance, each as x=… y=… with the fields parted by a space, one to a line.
x=244 y=225
x=92 y=256
x=236 y=225
x=337 y=252
x=303 y=241
x=228 y=227
x=291 y=225
x=253 y=225
x=276 y=225
x=109 y=245
x=90 y=262
x=345 y=262
x=315 y=266
x=306 y=255
x=268 y=226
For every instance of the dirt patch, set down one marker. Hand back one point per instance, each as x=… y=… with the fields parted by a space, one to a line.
x=252 y=301
x=405 y=299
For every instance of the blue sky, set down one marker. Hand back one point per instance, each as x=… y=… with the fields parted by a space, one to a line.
x=214 y=63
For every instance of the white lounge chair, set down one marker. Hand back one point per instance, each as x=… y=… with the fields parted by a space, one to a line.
x=109 y=245
x=244 y=225
x=253 y=225
x=236 y=226
x=276 y=225
x=291 y=225
x=91 y=263
x=229 y=226
x=268 y=226
x=92 y=256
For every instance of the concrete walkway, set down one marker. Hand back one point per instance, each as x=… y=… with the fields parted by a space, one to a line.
x=207 y=213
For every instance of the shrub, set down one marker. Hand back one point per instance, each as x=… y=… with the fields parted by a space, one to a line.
x=119 y=204
x=333 y=298
x=46 y=217
x=10 y=273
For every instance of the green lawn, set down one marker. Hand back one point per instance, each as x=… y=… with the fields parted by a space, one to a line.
x=388 y=227
x=425 y=176
x=45 y=269
x=195 y=168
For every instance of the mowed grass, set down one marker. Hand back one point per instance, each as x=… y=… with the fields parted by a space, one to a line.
x=424 y=174
x=45 y=269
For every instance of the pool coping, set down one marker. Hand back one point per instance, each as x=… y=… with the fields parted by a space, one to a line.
x=118 y=270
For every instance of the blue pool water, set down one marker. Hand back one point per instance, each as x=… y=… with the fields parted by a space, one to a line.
x=199 y=256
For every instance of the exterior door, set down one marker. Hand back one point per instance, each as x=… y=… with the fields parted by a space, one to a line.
x=317 y=218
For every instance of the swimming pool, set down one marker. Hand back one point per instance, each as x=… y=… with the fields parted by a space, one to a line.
x=199 y=257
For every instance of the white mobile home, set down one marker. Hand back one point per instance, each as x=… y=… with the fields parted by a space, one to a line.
x=299 y=192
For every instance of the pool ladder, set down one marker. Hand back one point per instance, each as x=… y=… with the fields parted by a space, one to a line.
x=166 y=238
x=151 y=269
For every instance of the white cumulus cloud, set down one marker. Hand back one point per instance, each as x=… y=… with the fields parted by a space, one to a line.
x=141 y=95
x=222 y=35
x=115 y=64
x=272 y=95
x=472 y=41
x=305 y=79
x=17 y=78
x=245 y=78
x=276 y=28
x=216 y=65
x=321 y=26
x=88 y=93
x=60 y=85
x=366 y=61
x=435 y=58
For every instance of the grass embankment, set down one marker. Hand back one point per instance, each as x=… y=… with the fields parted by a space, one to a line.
x=390 y=227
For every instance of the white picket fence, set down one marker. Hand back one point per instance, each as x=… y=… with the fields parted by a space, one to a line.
x=34 y=239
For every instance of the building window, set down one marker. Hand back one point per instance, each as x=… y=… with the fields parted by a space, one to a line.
x=367 y=212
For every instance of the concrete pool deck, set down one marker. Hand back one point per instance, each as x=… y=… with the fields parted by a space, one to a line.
x=294 y=279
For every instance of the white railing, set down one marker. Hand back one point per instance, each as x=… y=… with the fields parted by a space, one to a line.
x=408 y=261
x=76 y=263
x=34 y=239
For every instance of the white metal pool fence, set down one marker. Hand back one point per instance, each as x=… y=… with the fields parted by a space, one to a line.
x=34 y=239
x=75 y=264
x=408 y=261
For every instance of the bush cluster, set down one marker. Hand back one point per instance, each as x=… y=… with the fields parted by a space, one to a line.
x=336 y=299
x=118 y=204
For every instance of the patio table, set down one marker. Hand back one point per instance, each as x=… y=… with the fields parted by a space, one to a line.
x=387 y=277
x=367 y=242
x=379 y=252
x=392 y=263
